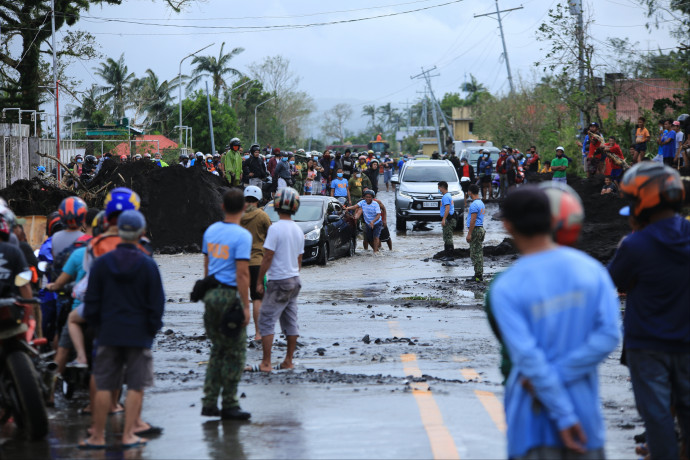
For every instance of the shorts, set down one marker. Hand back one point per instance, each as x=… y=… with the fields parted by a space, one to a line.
x=641 y=147
x=372 y=233
x=560 y=179
x=280 y=301
x=112 y=363
x=465 y=186
x=385 y=234
x=486 y=179
x=65 y=340
x=616 y=173
x=253 y=278
x=387 y=176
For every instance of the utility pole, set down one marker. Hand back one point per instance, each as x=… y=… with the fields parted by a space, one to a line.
x=179 y=87
x=503 y=40
x=435 y=107
x=55 y=85
x=210 y=121
x=576 y=9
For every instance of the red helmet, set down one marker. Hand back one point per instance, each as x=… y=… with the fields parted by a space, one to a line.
x=73 y=212
x=567 y=212
x=123 y=157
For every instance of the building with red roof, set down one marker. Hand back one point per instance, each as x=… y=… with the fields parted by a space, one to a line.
x=148 y=143
x=638 y=94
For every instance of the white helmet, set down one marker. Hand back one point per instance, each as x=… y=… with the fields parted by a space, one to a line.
x=254 y=192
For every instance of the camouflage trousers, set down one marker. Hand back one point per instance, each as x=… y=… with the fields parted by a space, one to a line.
x=476 y=250
x=228 y=354
x=448 y=229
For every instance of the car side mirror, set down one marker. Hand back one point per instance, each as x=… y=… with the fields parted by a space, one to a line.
x=395 y=179
x=333 y=218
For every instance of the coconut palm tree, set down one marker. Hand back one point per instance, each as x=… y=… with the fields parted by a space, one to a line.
x=370 y=111
x=158 y=99
x=474 y=90
x=117 y=80
x=217 y=69
x=92 y=102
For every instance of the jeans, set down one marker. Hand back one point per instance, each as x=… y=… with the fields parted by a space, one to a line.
x=560 y=179
x=660 y=380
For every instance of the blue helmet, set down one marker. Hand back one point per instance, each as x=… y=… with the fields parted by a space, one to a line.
x=121 y=199
x=41 y=169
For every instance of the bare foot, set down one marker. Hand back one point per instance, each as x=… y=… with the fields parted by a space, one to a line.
x=257 y=337
x=284 y=366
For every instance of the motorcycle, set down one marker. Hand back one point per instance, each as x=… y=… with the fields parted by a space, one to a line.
x=495 y=185
x=24 y=372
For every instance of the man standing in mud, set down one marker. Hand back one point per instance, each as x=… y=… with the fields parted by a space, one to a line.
x=556 y=334
x=448 y=219
x=227 y=251
x=476 y=233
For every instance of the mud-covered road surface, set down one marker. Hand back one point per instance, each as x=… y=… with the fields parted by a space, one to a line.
x=395 y=360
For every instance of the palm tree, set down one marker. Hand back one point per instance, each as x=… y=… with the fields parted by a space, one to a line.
x=117 y=79
x=370 y=111
x=474 y=90
x=217 y=69
x=92 y=102
x=158 y=101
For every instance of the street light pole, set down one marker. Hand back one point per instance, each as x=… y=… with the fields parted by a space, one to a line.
x=179 y=83
x=255 y=108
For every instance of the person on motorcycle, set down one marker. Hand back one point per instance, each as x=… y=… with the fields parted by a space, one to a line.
x=184 y=160
x=232 y=162
x=90 y=164
x=49 y=299
x=77 y=164
x=147 y=156
x=137 y=157
x=199 y=160
x=124 y=158
x=14 y=264
x=209 y=164
x=159 y=160
x=217 y=163
x=254 y=167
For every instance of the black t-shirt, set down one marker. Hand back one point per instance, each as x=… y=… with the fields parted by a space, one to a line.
x=12 y=263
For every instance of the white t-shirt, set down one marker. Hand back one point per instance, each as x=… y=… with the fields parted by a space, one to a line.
x=286 y=240
x=680 y=137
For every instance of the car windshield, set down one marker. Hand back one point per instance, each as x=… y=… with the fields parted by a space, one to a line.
x=415 y=173
x=474 y=155
x=307 y=212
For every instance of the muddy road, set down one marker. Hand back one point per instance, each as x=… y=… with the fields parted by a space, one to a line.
x=395 y=360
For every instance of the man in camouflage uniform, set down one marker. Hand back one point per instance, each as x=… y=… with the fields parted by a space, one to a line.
x=301 y=165
x=448 y=219
x=475 y=232
x=227 y=249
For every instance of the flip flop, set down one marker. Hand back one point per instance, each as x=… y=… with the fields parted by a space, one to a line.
x=150 y=431
x=139 y=443
x=85 y=445
x=254 y=368
x=119 y=411
x=278 y=367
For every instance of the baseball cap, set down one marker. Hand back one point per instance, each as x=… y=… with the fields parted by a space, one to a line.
x=131 y=221
x=594 y=123
x=369 y=192
x=528 y=209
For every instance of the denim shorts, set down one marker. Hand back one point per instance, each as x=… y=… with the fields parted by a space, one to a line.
x=375 y=232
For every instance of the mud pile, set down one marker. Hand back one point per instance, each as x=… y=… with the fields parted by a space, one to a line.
x=504 y=248
x=33 y=197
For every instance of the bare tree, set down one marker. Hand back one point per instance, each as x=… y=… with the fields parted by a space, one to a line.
x=334 y=120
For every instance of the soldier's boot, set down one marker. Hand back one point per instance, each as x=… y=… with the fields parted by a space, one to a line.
x=234 y=413
x=448 y=253
x=211 y=411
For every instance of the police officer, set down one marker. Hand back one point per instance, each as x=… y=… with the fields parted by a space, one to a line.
x=448 y=219
x=227 y=250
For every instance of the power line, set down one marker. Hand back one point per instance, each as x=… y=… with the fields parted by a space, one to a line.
x=32 y=41
x=277 y=26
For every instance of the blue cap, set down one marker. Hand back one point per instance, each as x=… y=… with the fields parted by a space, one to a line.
x=624 y=211
x=131 y=221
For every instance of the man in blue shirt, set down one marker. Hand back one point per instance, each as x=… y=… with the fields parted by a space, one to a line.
x=556 y=333
x=371 y=212
x=667 y=143
x=340 y=188
x=448 y=220
x=652 y=265
x=227 y=249
x=476 y=233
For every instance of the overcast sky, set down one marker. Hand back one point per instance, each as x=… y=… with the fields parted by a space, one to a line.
x=363 y=62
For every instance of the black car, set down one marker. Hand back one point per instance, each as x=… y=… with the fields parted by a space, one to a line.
x=329 y=231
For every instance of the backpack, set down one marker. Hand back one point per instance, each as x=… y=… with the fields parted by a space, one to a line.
x=520 y=175
x=501 y=165
x=61 y=259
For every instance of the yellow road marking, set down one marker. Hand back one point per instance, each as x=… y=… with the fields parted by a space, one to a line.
x=440 y=439
x=494 y=407
x=442 y=335
x=470 y=374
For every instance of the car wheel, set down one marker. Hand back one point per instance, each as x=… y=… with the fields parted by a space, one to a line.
x=351 y=250
x=323 y=254
x=400 y=224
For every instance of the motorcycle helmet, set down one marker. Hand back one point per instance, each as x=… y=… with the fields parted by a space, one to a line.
x=286 y=200
x=120 y=199
x=184 y=157
x=369 y=192
x=41 y=169
x=254 y=192
x=300 y=151
x=91 y=160
x=650 y=186
x=216 y=156
x=137 y=157
x=7 y=214
x=147 y=156
x=73 y=212
x=199 y=155
x=567 y=212
x=99 y=224
x=124 y=157
x=235 y=142
x=254 y=148
x=54 y=223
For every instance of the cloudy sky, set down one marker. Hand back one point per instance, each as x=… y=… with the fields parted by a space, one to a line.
x=359 y=62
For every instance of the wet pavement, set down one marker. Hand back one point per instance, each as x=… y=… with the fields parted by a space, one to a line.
x=395 y=360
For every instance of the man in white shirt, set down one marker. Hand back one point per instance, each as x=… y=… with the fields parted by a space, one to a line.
x=283 y=249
